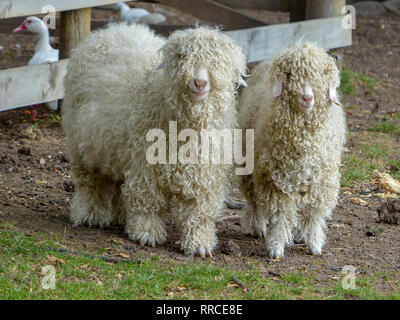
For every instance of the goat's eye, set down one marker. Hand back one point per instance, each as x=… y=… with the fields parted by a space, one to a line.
x=29 y=21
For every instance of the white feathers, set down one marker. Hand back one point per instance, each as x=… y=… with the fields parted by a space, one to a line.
x=44 y=53
x=138 y=15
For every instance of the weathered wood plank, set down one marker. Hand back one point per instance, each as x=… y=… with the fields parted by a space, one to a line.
x=32 y=84
x=265 y=42
x=270 y=5
x=214 y=12
x=18 y=8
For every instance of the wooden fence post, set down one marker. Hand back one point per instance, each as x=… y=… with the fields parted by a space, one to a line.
x=297 y=10
x=326 y=8
x=215 y=12
x=75 y=26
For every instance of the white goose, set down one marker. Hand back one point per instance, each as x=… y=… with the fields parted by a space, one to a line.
x=137 y=15
x=44 y=53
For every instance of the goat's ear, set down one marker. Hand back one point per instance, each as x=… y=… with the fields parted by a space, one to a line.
x=333 y=95
x=162 y=65
x=276 y=89
x=242 y=82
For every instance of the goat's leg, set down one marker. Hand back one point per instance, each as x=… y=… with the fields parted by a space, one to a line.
x=197 y=221
x=142 y=206
x=312 y=229
x=281 y=224
x=92 y=202
x=146 y=228
x=119 y=213
x=254 y=221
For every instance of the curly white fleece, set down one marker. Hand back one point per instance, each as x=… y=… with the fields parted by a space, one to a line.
x=296 y=179
x=114 y=94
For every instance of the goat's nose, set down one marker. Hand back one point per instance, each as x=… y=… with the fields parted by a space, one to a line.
x=307 y=98
x=200 y=84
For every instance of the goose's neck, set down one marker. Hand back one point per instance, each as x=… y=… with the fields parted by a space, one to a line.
x=43 y=41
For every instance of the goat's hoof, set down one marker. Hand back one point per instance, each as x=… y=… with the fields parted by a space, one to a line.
x=261 y=233
x=315 y=251
x=144 y=239
x=259 y=230
x=203 y=253
x=277 y=253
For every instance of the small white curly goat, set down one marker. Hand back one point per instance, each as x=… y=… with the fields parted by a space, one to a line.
x=299 y=136
x=120 y=85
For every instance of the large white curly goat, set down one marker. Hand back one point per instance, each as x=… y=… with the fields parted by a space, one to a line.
x=300 y=130
x=120 y=85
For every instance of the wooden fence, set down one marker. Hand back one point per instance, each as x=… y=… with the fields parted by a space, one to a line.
x=37 y=84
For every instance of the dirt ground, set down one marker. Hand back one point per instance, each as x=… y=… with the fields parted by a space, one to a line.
x=36 y=188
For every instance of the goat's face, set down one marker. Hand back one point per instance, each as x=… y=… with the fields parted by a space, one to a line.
x=199 y=84
x=302 y=95
x=202 y=62
x=306 y=77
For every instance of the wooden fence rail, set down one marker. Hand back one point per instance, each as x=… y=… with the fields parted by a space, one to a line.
x=18 y=8
x=214 y=12
x=270 y=5
x=32 y=84
x=264 y=43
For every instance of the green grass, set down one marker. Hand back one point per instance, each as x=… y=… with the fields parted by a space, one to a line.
x=349 y=80
x=34 y=127
x=55 y=118
x=346 y=83
x=364 y=290
x=396 y=172
x=350 y=107
x=395 y=163
x=79 y=277
x=373 y=151
x=377 y=148
x=384 y=127
x=368 y=81
x=356 y=168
